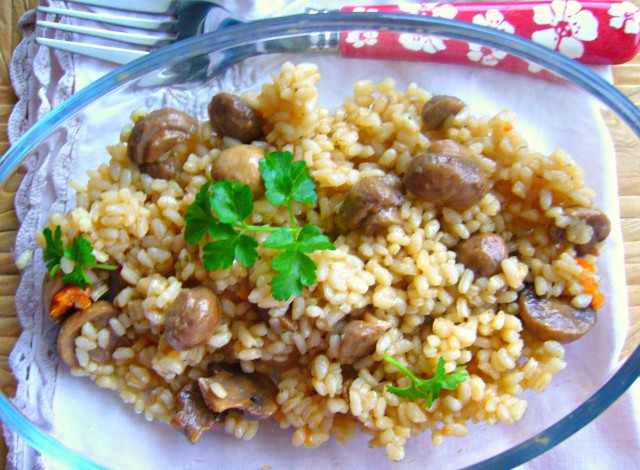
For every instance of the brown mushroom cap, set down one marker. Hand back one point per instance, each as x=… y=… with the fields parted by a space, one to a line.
x=240 y=163
x=371 y=204
x=438 y=109
x=446 y=180
x=99 y=314
x=483 y=253
x=155 y=135
x=554 y=318
x=254 y=394
x=192 y=416
x=358 y=338
x=192 y=317
x=231 y=116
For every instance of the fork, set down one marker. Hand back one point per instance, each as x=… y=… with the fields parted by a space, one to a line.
x=179 y=19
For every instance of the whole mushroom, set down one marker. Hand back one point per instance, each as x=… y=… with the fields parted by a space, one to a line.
x=359 y=338
x=371 y=204
x=192 y=317
x=444 y=179
x=231 y=116
x=154 y=136
x=438 y=109
x=240 y=163
x=483 y=253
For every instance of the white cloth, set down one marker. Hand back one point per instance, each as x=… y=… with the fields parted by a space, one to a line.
x=43 y=79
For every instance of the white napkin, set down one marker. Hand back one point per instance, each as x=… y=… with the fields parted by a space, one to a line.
x=611 y=441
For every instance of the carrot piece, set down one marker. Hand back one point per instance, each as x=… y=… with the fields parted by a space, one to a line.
x=598 y=300
x=589 y=284
x=68 y=297
x=586 y=265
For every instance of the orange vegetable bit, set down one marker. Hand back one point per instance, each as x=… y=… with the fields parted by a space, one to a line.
x=589 y=283
x=586 y=265
x=68 y=297
x=598 y=300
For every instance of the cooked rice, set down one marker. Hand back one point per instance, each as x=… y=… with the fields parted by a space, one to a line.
x=408 y=275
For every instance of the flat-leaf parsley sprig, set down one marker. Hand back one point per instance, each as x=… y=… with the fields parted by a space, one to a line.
x=80 y=253
x=221 y=209
x=428 y=389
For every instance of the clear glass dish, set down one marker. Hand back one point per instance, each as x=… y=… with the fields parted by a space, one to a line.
x=189 y=71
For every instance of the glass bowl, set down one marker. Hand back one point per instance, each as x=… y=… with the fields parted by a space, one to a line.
x=239 y=59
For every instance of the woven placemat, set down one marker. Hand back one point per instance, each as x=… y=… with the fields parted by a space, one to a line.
x=626 y=78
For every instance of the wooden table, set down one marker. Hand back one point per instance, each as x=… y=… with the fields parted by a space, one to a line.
x=10 y=12
x=626 y=78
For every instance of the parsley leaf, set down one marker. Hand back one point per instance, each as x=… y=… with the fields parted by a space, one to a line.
x=286 y=180
x=311 y=239
x=281 y=239
x=295 y=269
x=428 y=389
x=232 y=201
x=228 y=245
x=80 y=253
x=198 y=217
x=54 y=250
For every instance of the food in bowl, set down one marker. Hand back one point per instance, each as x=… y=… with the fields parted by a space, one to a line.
x=396 y=265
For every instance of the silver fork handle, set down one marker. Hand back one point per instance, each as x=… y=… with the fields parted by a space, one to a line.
x=143 y=6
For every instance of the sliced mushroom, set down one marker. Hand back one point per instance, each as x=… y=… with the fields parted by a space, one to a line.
x=483 y=253
x=554 y=318
x=446 y=180
x=153 y=137
x=193 y=417
x=231 y=116
x=98 y=314
x=371 y=204
x=358 y=338
x=438 y=109
x=240 y=163
x=595 y=218
x=253 y=394
x=192 y=318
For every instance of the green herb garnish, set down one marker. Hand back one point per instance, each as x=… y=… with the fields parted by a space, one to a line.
x=428 y=389
x=54 y=250
x=221 y=210
x=80 y=252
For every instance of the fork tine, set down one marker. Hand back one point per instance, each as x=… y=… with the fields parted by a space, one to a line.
x=144 y=6
x=115 y=55
x=139 y=23
x=130 y=38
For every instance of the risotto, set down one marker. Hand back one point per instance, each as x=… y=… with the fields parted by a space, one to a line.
x=448 y=241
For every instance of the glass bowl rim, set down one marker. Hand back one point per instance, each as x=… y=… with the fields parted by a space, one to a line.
x=305 y=24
